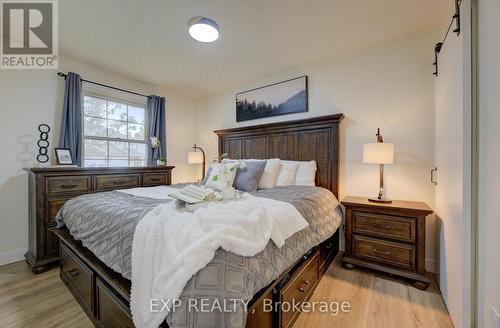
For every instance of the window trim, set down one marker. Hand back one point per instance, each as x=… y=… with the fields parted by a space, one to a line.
x=106 y=98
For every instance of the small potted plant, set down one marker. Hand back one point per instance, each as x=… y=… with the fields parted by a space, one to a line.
x=156 y=144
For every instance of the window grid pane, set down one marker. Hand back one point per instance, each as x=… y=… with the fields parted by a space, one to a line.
x=114 y=133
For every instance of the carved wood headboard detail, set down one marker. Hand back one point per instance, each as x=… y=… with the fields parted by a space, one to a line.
x=300 y=140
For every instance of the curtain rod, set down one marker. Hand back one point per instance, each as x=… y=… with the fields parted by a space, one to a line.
x=61 y=74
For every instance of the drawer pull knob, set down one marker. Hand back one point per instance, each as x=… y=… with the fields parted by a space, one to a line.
x=376 y=225
x=304 y=286
x=68 y=186
x=74 y=272
x=253 y=311
x=381 y=252
x=155 y=179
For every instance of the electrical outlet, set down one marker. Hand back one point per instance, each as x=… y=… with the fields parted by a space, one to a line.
x=495 y=318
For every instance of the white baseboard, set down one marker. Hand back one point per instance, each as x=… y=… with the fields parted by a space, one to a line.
x=12 y=256
x=431 y=265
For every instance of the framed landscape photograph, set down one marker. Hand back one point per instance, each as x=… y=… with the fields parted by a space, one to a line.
x=280 y=98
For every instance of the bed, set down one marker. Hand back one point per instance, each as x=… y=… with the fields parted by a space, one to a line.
x=95 y=250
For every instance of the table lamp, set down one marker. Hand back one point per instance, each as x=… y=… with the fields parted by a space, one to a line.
x=195 y=157
x=379 y=153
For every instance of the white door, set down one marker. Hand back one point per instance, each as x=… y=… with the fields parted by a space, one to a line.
x=451 y=206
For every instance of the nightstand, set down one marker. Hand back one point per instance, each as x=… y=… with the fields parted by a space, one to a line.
x=386 y=237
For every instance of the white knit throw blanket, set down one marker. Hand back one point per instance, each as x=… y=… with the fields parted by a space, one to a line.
x=170 y=245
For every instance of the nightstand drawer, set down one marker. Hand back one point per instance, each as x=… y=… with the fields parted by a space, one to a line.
x=394 y=254
x=387 y=226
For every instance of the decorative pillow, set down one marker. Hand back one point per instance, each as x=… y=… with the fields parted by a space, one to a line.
x=287 y=173
x=218 y=184
x=306 y=173
x=270 y=173
x=247 y=178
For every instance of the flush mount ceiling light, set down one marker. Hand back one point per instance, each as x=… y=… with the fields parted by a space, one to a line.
x=203 y=29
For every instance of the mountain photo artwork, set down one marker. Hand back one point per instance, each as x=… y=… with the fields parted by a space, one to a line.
x=276 y=99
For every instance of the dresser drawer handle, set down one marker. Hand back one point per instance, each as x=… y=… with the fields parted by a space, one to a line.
x=68 y=186
x=155 y=179
x=304 y=286
x=376 y=225
x=118 y=182
x=381 y=252
x=73 y=272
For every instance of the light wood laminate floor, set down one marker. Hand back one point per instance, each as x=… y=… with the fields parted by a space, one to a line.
x=29 y=300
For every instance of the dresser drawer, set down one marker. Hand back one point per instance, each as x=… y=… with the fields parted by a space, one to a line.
x=68 y=184
x=154 y=179
x=78 y=275
x=387 y=226
x=53 y=207
x=299 y=288
x=111 y=311
x=395 y=254
x=111 y=182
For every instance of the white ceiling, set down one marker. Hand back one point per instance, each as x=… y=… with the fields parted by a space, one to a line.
x=148 y=40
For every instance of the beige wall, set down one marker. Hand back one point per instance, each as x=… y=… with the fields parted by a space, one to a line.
x=489 y=164
x=389 y=87
x=31 y=97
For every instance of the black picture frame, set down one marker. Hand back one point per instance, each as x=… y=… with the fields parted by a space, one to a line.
x=249 y=105
x=62 y=155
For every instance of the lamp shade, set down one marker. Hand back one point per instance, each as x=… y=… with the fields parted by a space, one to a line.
x=195 y=157
x=378 y=153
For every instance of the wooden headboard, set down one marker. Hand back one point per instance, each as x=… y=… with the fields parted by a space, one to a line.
x=300 y=140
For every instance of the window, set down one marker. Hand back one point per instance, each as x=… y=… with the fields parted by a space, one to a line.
x=113 y=132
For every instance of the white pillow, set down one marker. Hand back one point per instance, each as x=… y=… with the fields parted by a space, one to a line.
x=306 y=173
x=218 y=185
x=270 y=173
x=287 y=173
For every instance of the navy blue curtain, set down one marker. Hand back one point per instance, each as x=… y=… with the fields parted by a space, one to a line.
x=71 y=124
x=157 y=127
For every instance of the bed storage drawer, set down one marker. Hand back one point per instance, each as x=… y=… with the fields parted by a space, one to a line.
x=111 y=182
x=78 y=275
x=386 y=226
x=67 y=184
x=391 y=253
x=299 y=289
x=111 y=311
x=258 y=316
x=154 y=179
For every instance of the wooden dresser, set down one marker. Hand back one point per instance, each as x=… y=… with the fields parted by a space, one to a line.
x=387 y=237
x=50 y=188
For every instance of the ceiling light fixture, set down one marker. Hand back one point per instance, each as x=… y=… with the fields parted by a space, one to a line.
x=203 y=29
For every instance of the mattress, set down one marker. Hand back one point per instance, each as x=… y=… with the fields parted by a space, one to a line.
x=105 y=224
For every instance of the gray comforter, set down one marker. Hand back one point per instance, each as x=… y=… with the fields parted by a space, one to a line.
x=105 y=223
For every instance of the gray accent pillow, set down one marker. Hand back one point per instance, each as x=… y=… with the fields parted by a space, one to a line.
x=247 y=179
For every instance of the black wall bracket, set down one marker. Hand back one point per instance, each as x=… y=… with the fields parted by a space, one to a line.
x=456 y=17
x=437 y=49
